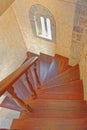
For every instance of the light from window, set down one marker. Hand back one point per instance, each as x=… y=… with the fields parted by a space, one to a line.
x=49 y=28
x=43 y=28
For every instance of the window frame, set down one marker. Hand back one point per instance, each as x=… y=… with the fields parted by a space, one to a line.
x=38 y=11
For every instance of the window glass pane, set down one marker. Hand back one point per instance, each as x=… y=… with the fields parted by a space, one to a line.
x=42 y=19
x=43 y=27
x=49 y=33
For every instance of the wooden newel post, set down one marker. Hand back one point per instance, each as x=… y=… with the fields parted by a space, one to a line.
x=37 y=78
x=34 y=95
x=18 y=100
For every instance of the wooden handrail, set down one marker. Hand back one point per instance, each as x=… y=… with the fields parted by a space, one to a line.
x=4 y=84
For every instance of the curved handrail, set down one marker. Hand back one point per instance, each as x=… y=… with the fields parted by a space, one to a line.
x=4 y=84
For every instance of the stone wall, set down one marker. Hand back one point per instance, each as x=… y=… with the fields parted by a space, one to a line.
x=12 y=47
x=79 y=42
x=63 y=12
x=83 y=59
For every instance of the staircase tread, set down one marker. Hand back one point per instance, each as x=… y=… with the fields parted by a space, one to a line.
x=61 y=96
x=63 y=78
x=68 y=87
x=59 y=104
x=50 y=124
x=57 y=108
x=71 y=69
x=64 y=102
x=73 y=90
x=75 y=83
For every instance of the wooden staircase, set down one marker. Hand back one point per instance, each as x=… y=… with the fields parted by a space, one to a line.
x=59 y=104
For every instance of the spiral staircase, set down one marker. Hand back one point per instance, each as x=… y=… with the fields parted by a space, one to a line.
x=58 y=102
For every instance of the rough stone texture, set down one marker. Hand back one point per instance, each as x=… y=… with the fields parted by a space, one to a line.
x=79 y=41
x=79 y=30
x=12 y=47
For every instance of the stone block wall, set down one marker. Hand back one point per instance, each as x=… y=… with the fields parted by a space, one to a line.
x=12 y=46
x=79 y=42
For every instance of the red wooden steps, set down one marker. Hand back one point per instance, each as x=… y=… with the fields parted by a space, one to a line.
x=58 y=65
x=62 y=63
x=65 y=77
x=73 y=86
x=61 y=96
x=49 y=124
x=60 y=104
x=43 y=108
x=70 y=91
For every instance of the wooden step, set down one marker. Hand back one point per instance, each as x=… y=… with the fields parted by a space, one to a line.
x=62 y=63
x=59 y=105
x=49 y=124
x=70 y=91
x=73 y=86
x=69 y=75
x=56 y=109
x=45 y=61
x=58 y=65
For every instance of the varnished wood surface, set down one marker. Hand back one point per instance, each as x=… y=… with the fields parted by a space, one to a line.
x=50 y=124
x=65 y=109
x=70 y=91
x=58 y=65
x=59 y=105
x=4 y=84
x=69 y=75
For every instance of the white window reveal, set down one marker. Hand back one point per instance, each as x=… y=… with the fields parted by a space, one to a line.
x=43 y=27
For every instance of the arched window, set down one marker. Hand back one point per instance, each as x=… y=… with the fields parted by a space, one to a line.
x=43 y=23
x=45 y=30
